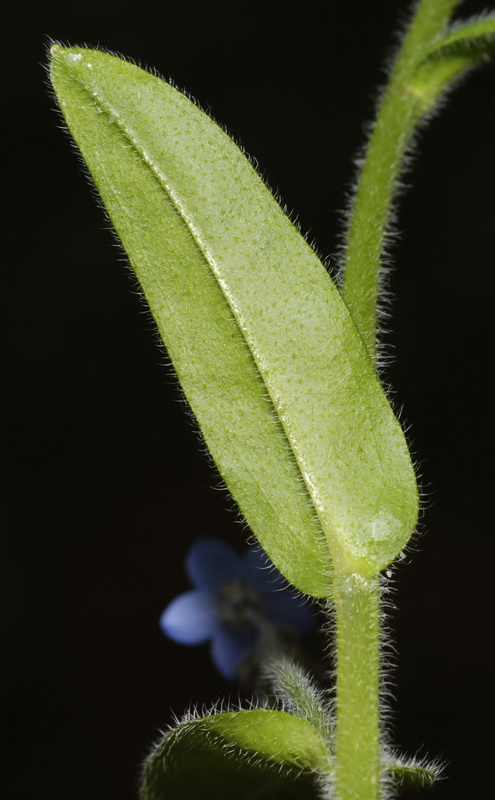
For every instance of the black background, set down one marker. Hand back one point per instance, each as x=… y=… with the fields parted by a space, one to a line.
x=105 y=487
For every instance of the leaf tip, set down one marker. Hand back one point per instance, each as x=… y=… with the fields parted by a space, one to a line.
x=66 y=56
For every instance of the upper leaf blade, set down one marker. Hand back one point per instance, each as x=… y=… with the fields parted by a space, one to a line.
x=462 y=48
x=263 y=345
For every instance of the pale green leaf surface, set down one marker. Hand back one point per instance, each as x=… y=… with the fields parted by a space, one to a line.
x=265 y=350
x=449 y=58
x=246 y=755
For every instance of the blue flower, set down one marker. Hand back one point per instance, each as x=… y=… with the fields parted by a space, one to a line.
x=237 y=603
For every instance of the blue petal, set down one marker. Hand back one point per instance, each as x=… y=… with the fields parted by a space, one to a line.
x=211 y=563
x=229 y=647
x=287 y=610
x=191 y=618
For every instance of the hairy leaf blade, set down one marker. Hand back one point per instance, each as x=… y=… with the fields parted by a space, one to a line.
x=259 y=753
x=266 y=352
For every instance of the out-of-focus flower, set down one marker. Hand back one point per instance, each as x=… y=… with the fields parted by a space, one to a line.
x=239 y=603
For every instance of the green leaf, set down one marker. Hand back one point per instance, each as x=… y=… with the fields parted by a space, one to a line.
x=265 y=350
x=465 y=46
x=411 y=772
x=246 y=755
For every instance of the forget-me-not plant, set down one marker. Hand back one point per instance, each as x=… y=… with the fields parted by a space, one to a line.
x=280 y=367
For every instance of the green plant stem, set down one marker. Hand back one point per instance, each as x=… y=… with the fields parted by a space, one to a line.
x=397 y=117
x=356 y=598
x=357 y=752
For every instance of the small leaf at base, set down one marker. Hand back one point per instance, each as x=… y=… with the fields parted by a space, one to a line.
x=414 y=773
x=246 y=755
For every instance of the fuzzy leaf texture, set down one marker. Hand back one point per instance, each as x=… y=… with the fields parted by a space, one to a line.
x=265 y=350
x=465 y=46
x=245 y=754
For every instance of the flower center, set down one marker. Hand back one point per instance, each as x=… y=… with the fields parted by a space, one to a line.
x=240 y=603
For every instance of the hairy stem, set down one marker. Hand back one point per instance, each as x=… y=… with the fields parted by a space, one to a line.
x=357 y=754
x=396 y=119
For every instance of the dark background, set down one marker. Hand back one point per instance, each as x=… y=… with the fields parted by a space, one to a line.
x=105 y=487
